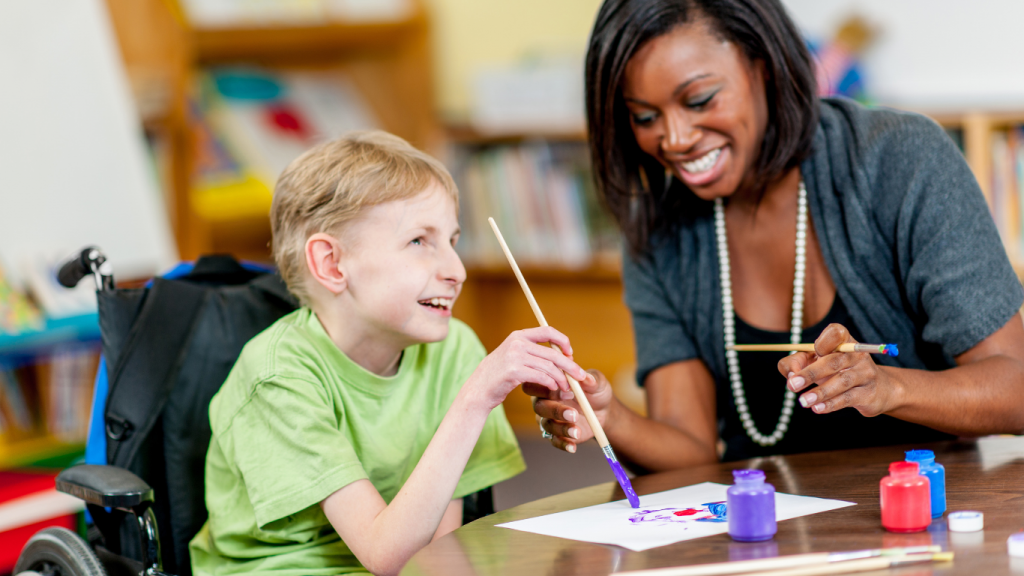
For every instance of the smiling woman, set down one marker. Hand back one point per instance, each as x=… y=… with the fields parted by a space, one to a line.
x=755 y=212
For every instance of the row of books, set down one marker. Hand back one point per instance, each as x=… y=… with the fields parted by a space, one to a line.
x=1007 y=188
x=542 y=197
x=250 y=123
x=50 y=397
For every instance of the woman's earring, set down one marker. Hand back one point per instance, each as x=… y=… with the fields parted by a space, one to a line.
x=634 y=198
x=645 y=183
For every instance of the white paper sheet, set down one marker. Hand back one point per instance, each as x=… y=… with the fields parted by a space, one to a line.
x=663 y=518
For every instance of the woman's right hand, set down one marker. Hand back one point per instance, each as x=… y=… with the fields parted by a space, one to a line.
x=560 y=415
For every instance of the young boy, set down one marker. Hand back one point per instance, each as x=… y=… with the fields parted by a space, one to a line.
x=348 y=432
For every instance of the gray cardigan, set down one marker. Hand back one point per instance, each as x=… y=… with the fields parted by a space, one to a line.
x=905 y=232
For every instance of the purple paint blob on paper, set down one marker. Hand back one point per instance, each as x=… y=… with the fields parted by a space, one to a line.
x=620 y=475
x=708 y=512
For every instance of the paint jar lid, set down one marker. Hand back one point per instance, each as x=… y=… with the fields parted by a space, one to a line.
x=922 y=456
x=748 y=475
x=1015 y=544
x=966 y=521
x=904 y=468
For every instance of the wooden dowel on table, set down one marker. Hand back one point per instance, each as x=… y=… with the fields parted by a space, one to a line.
x=774 y=565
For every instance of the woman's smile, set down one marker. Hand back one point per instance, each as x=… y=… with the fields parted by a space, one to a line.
x=704 y=169
x=697 y=105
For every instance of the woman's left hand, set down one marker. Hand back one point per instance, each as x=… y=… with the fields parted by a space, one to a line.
x=844 y=379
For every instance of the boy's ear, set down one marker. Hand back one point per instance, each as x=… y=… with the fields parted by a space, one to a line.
x=323 y=258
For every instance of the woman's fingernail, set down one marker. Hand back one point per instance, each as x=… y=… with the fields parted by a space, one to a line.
x=571 y=448
x=819 y=407
x=790 y=375
x=569 y=415
x=808 y=399
x=574 y=433
x=796 y=382
x=566 y=395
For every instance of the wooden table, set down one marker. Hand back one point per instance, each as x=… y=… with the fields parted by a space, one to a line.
x=985 y=475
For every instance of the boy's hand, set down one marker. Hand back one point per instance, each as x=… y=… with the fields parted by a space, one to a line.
x=524 y=357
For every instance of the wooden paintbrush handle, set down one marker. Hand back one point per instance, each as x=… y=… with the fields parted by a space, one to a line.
x=581 y=398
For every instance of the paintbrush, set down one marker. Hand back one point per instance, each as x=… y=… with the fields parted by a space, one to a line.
x=864 y=565
x=887 y=349
x=581 y=398
x=785 y=564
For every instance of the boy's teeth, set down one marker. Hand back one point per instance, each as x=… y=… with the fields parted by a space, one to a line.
x=438 y=302
x=702 y=164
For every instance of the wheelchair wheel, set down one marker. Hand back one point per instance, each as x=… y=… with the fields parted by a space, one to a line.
x=58 y=552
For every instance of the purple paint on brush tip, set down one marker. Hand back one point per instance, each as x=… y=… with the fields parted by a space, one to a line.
x=627 y=487
x=891 y=350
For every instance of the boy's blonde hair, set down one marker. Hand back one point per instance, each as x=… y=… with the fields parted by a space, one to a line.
x=330 y=184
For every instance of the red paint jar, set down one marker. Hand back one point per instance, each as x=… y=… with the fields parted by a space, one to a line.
x=905 y=499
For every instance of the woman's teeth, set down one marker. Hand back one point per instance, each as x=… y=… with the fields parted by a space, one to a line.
x=702 y=164
x=438 y=302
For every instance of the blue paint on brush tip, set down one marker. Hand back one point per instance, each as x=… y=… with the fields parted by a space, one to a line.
x=892 y=350
x=627 y=487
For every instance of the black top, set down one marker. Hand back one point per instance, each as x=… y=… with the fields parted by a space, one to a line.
x=808 y=432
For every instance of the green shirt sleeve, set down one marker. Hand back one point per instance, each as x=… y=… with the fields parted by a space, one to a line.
x=496 y=456
x=289 y=449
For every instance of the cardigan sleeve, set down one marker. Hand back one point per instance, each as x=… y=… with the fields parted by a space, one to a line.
x=952 y=263
x=660 y=334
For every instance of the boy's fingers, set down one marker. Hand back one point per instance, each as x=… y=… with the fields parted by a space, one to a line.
x=551 y=371
x=561 y=361
x=545 y=334
x=538 y=376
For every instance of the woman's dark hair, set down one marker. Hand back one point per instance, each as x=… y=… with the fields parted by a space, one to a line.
x=624 y=173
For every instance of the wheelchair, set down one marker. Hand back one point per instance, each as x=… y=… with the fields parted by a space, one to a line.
x=166 y=349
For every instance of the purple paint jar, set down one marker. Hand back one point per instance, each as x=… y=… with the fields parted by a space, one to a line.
x=750 y=507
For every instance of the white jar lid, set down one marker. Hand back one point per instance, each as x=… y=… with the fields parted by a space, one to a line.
x=966 y=521
x=1015 y=544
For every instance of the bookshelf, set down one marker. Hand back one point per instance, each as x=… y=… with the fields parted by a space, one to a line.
x=999 y=176
x=387 y=61
x=46 y=380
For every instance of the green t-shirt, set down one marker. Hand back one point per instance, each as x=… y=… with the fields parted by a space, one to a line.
x=296 y=420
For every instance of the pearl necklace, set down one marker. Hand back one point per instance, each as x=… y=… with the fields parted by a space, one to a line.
x=729 y=319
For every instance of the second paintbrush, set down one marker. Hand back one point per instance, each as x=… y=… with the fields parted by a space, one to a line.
x=887 y=349
x=581 y=398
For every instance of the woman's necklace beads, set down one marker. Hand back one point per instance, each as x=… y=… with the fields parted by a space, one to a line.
x=729 y=319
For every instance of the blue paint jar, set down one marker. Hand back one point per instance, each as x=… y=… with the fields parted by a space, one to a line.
x=936 y=475
x=750 y=507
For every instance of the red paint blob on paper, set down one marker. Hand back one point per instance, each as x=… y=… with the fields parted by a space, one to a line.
x=687 y=512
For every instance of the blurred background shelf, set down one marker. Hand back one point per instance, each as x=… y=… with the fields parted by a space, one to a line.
x=39 y=452
x=56 y=332
x=303 y=43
